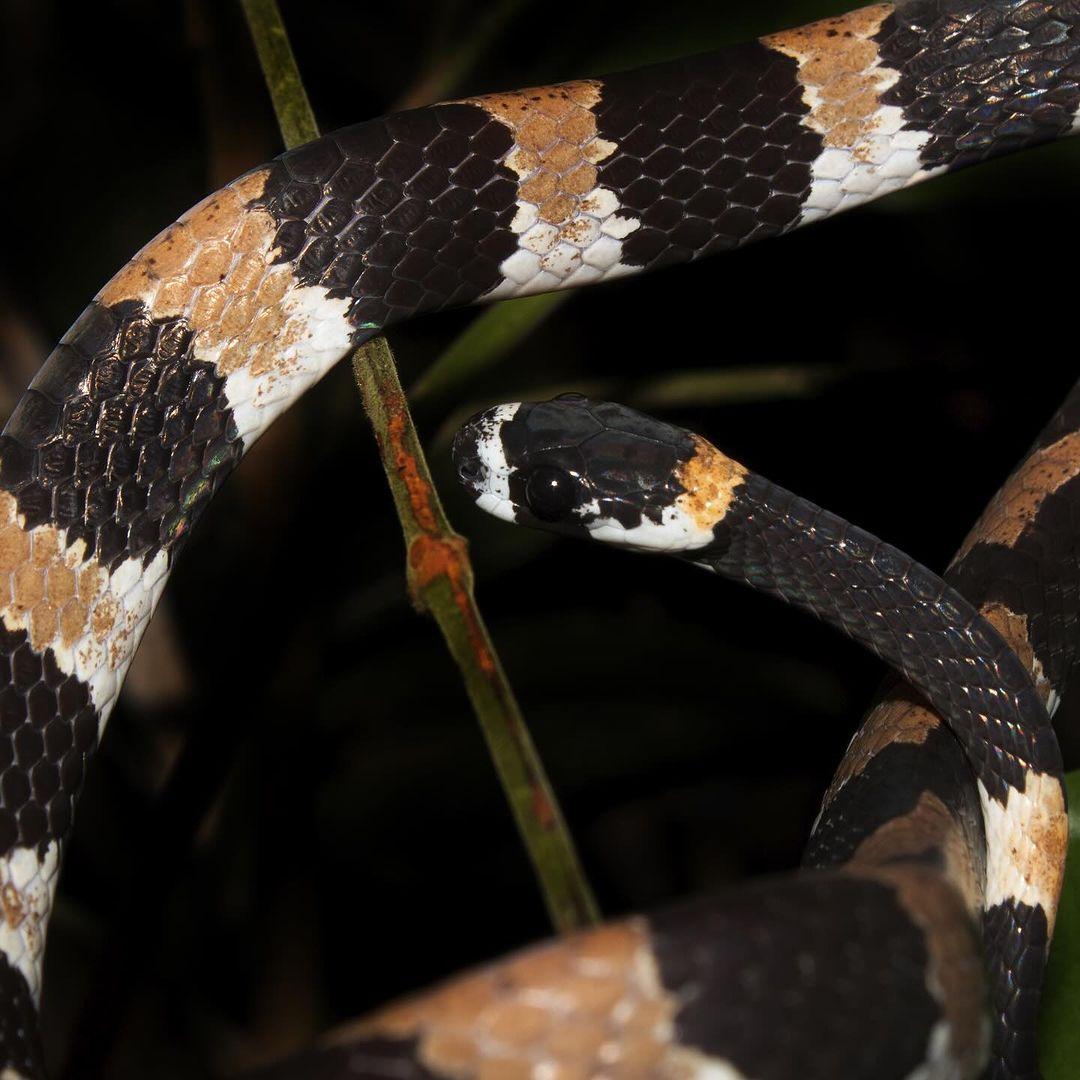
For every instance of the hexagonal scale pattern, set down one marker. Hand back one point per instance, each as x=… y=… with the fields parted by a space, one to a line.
x=405 y=214
x=122 y=437
x=48 y=730
x=710 y=152
x=981 y=78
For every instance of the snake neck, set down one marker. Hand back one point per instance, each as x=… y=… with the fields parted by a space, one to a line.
x=790 y=548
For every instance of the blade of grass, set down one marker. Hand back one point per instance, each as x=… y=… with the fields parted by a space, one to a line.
x=439 y=572
x=290 y=100
x=735 y=385
x=483 y=343
x=685 y=389
x=447 y=70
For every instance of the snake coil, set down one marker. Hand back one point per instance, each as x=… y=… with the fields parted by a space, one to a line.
x=222 y=321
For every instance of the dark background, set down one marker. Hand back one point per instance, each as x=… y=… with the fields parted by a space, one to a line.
x=293 y=818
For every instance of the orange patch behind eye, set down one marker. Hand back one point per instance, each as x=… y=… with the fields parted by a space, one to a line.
x=710 y=479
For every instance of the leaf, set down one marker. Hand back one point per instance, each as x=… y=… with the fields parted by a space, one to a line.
x=1059 y=1025
x=483 y=343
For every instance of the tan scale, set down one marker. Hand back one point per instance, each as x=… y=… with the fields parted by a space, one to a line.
x=838 y=67
x=215 y=268
x=900 y=718
x=1040 y=850
x=930 y=824
x=555 y=153
x=1051 y=841
x=1014 y=629
x=955 y=975
x=1014 y=507
x=11 y=901
x=47 y=589
x=591 y=1005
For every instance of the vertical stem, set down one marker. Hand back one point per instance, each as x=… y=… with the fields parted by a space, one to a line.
x=290 y=100
x=439 y=573
x=441 y=583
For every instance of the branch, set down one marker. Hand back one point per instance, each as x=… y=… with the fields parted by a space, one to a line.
x=290 y=100
x=439 y=573
x=441 y=583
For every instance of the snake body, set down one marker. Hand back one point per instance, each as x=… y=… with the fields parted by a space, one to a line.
x=223 y=320
x=605 y=471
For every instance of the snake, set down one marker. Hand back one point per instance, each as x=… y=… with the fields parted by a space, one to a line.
x=601 y=470
x=216 y=326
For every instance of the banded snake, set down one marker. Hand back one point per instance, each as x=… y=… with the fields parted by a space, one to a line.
x=207 y=335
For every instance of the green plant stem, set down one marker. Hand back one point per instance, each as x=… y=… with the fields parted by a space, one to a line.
x=441 y=583
x=290 y=100
x=439 y=573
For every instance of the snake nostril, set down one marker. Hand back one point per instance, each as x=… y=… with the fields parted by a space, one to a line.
x=469 y=468
x=465 y=455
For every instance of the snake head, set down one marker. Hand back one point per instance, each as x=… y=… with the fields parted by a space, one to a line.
x=589 y=468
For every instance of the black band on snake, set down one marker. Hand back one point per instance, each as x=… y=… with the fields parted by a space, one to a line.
x=930 y=852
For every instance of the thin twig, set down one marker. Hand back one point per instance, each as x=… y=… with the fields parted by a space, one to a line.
x=439 y=572
x=291 y=105
x=440 y=582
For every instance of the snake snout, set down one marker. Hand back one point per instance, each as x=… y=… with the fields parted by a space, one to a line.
x=470 y=469
x=466 y=457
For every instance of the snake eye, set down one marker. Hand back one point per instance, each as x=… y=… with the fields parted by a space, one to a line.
x=550 y=493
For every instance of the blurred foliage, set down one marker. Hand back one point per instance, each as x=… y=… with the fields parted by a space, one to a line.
x=489 y=339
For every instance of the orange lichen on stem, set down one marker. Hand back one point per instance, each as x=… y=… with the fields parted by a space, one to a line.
x=432 y=558
x=420 y=492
